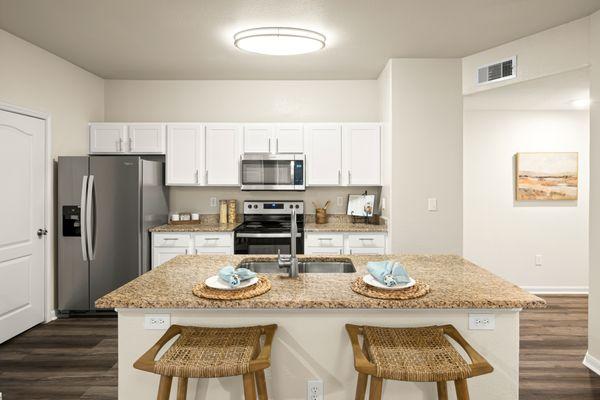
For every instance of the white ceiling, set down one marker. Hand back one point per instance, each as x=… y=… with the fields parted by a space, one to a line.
x=556 y=92
x=191 y=39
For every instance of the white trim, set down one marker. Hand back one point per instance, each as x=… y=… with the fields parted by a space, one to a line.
x=557 y=289
x=592 y=363
x=49 y=312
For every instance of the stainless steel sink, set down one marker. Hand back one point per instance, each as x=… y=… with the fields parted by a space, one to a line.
x=343 y=266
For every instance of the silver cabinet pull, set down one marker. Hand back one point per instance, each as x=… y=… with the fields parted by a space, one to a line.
x=366 y=239
x=197 y=176
x=339 y=176
x=131 y=143
x=206 y=177
x=349 y=177
x=325 y=238
x=276 y=145
x=211 y=238
x=270 y=151
x=170 y=238
x=83 y=227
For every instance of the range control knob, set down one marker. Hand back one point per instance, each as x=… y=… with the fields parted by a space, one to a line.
x=249 y=205
x=297 y=205
x=291 y=206
x=256 y=206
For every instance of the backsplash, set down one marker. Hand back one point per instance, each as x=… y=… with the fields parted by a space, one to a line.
x=197 y=199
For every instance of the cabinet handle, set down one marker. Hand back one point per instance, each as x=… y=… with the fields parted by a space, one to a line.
x=350 y=251
x=197 y=176
x=340 y=250
x=349 y=177
x=276 y=145
x=325 y=238
x=366 y=239
x=209 y=238
x=339 y=176
x=186 y=252
x=131 y=143
x=270 y=145
x=170 y=238
x=206 y=177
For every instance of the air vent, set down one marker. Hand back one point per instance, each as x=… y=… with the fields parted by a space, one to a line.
x=499 y=71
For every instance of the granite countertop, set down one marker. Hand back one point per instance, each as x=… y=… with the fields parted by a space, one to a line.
x=340 y=226
x=454 y=281
x=202 y=227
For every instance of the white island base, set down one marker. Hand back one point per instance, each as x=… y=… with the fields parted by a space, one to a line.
x=313 y=344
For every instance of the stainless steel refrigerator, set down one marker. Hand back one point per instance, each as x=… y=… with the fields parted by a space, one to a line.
x=106 y=204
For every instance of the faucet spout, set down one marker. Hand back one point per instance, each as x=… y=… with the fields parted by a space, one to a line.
x=291 y=261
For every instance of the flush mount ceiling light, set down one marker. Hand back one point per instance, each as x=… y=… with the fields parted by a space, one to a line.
x=278 y=41
x=581 y=103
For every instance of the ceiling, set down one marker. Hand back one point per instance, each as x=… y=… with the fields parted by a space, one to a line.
x=555 y=92
x=192 y=39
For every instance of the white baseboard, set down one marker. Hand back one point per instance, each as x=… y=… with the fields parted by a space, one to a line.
x=592 y=363
x=50 y=317
x=557 y=289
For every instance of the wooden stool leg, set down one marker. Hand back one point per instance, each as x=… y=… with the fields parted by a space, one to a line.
x=442 y=390
x=261 y=385
x=462 y=391
x=164 y=387
x=376 y=388
x=182 y=388
x=249 y=387
x=361 y=386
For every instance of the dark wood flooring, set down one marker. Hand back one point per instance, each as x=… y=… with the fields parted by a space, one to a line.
x=77 y=358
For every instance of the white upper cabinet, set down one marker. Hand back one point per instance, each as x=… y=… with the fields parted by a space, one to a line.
x=223 y=150
x=108 y=138
x=362 y=154
x=258 y=137
x=146 y=138
x=185 y=154
x=323 y=146
x=289 y=138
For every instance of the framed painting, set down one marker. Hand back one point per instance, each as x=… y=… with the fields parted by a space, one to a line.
x=547 y=176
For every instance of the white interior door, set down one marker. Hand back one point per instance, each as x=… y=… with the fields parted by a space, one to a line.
x=21 y=215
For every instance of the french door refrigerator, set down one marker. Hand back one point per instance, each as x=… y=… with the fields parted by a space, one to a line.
x=106 y=204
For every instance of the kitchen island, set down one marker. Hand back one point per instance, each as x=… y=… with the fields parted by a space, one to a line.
x=311 y=311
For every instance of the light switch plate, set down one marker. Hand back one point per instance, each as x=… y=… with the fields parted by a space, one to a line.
x=157 y=321
x=486 y=322
x=432 y=204
x=213 y=201
x=340 y=201
x=538 y=260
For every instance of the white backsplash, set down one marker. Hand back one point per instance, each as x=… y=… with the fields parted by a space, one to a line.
x=197 y=199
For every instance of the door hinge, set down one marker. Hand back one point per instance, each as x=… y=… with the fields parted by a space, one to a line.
x=42 y=232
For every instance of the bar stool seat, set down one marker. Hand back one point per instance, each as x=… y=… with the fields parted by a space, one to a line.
x=413 y=354
x=201 y=352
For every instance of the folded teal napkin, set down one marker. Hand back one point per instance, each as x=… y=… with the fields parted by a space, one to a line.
x=390 y=273
x=234 y=276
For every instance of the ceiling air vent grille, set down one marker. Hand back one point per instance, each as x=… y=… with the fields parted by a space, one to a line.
x=499 y=71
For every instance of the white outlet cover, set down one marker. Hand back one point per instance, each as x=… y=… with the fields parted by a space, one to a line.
x=157 y=321
x=213 y=201
x=314 y=390
x=482 y=322
x=340 y=201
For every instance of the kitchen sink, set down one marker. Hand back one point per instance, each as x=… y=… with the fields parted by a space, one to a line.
x=304 y=266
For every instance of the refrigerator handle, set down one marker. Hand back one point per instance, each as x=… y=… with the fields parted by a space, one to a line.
x=89 y=220
x=82 y=218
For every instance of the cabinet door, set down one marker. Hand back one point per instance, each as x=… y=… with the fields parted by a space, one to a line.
x=289 y=138
x=161 y=255
x=184 y=154
x=257 y=138
x=223 y=149
x=362 y=154
x=108 y=138
x=323 y=154
x=147 y=138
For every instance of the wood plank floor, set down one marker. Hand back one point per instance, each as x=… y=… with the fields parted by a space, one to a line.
x=77 y=358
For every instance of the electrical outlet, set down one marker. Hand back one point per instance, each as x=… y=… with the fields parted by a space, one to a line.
x=538 y=260
x=432 y=204
x=157 y=321
x=485 y=322
x=213 y=201
x=340 y=201
x=314 y=390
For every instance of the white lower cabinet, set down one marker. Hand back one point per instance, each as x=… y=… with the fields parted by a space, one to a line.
x=167 y=245
x=336 y=243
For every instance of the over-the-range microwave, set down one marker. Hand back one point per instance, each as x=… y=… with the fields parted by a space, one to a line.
x=273 y=171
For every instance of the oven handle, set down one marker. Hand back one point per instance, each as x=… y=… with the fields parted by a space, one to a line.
x=266 y=235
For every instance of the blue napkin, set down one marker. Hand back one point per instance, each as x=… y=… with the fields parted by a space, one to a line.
x=234 y=276
x=390 y=273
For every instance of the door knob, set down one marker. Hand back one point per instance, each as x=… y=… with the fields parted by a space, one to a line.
x=42 y=232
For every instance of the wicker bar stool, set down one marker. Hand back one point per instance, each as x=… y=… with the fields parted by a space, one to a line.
x=414 y=355
x=211 y=353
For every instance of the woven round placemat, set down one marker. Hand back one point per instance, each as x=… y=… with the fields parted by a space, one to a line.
x=418 y=290
x=262 y=286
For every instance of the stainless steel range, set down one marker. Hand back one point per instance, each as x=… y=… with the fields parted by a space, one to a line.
x=267 y=227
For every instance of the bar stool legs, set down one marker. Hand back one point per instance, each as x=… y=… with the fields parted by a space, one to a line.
x=182 y=388
x=164 y=387
x=261 y=384
x=442 y=390
x=361 y=386
x=462 y=391
x=375 y=388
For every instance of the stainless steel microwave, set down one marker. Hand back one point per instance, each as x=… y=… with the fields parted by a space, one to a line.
x=273 y=172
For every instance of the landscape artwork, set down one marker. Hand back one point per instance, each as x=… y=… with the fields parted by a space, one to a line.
x=547 y=176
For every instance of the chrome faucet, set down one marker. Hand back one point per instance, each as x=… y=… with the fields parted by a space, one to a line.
x=290 y=261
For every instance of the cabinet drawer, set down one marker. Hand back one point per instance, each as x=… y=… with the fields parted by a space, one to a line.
x=366 y=251
x=171 y=240
x=324 y=240
x=213 y=240
x=324 y=251
x=366 y=241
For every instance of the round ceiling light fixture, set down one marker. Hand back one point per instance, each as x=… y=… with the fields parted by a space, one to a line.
x=581 y=103
x=279 y=41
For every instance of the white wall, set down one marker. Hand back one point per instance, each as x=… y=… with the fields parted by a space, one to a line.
x=504 y=235
x=242 y=101
x=385 y=107
x=594 y=299
x=426 y=155
x=33 y=78
x=559 y=49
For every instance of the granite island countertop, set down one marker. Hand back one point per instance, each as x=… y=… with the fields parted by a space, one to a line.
x=455 y=283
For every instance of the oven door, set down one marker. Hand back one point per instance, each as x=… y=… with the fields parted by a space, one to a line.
x=272 y=172
x=266 y=243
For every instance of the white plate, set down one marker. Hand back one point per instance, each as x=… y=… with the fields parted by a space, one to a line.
x=369 y=280
x=217 y=283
